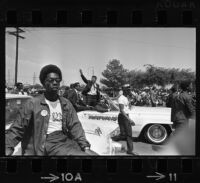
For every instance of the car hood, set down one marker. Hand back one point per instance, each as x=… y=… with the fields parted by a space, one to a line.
x=92 y=120
x=152 y=114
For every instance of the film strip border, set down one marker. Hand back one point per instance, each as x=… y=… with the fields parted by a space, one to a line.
x=160 y=13
x=101 y=13
x=100 y=170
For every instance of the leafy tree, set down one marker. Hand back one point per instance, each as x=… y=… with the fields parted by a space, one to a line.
x=115 y=75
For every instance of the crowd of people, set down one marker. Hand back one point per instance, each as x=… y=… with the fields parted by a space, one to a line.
x=148 y=97
x=84 y=100
x=20 y=89
x=61 y=132
x=154 y=97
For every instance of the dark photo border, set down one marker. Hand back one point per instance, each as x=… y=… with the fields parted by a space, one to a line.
x=99 y=13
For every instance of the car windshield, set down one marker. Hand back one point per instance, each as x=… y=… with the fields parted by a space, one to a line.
x=111 y=103
x=12 y=107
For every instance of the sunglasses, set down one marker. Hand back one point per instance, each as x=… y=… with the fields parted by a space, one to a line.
x=51 y=80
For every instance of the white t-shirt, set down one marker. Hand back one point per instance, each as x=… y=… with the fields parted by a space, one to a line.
x=93 y=90
x=124 y=101
x=55 y=120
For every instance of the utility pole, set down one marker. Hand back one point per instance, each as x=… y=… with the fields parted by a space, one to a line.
x=8 y=77
x=16 y=34
x=34 y=78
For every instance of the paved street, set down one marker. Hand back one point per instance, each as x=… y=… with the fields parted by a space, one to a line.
x=143 y=149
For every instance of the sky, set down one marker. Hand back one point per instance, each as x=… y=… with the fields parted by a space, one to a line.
x=90 y=49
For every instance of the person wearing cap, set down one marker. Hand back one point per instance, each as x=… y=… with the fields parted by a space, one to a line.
x=48 y=124
x=125 y=123
x=91 y=91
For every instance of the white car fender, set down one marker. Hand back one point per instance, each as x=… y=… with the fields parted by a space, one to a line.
x=143 y=116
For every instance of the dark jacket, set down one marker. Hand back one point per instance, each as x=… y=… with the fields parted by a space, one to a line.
x=76 y=101
x=66 y=93
x=88 y=87
x=169 y=103
x=153 y=98
x=31 y=127
x=170 y=99
x=182 y=108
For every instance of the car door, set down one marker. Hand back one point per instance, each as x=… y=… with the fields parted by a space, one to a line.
x=11 y=109
x=136 y=116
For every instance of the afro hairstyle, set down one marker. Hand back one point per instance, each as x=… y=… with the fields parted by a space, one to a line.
x=49 y=69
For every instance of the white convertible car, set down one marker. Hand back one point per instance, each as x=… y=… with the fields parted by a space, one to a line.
x=152 y=123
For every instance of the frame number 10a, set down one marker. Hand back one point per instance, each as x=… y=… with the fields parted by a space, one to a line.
x=65 y=177
x=68 y=177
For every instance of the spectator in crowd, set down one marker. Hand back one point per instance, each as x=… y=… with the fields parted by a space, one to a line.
x=62 y=90
x=48 y=124
x=182 y=108
x=153 y=97
x=71 y=86
x=171 y=96
x=125 y=123
x=91 y=91
x=19 y=89
x=26 y=91
x=66 y=92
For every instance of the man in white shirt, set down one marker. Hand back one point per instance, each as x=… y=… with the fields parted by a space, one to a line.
x=125 y=123
x=55 y=120
x=48 y=124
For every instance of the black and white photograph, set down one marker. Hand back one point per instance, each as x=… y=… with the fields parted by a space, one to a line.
x=100 y=91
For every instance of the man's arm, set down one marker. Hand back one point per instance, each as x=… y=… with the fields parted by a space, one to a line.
x=121 y=108
x=83 y=77
x=76 y=129
x=15 y=133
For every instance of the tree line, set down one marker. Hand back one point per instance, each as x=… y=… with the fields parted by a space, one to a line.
x=115 y=76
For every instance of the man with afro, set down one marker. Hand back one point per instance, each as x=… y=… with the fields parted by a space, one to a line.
x=48 y=124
